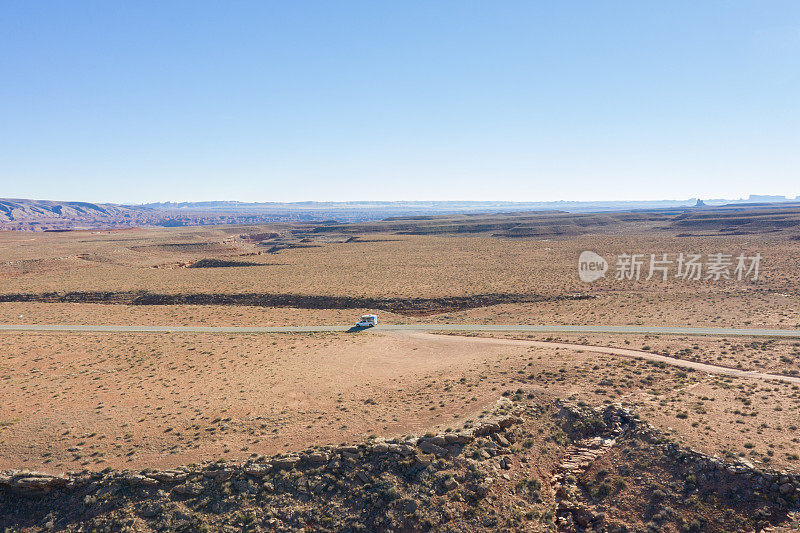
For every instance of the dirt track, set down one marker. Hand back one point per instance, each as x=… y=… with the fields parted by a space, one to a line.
x=622 y=352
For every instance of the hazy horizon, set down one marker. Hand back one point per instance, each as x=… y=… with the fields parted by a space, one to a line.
x=754 y=198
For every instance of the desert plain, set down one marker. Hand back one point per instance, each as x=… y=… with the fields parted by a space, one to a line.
x=96 y=402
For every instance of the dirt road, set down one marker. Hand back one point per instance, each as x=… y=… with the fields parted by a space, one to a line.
x=621 y=352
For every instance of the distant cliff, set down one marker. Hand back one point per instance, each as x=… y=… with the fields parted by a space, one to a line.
x=425 y=217
x=46 y=215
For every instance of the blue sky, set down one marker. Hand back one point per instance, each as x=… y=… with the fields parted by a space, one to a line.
x=284 y=101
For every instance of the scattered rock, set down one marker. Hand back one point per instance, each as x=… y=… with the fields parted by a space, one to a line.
x=188 y=489
x=138 y=480
x=168 y=476
x=257 y=469
x=151 y=509
x=408 y=505
x=285 y=463
x=318 y=457
x=428 y=446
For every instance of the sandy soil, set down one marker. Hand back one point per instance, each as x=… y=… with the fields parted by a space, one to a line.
x=719 y=413
x=408 y=266
x=91 y=401
x=74 y=401
x=627 y=353
x=95 y=400
x=746 y=310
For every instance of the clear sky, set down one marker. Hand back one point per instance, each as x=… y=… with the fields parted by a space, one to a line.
x=376 y=100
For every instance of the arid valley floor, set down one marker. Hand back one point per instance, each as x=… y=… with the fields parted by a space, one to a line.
x=398 y=430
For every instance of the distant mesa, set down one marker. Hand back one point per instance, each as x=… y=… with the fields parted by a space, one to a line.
x=769 y=198
x=54 y=216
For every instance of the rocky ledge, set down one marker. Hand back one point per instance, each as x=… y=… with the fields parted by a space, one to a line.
x=377 y=485
x=614 y=419
x=190 y=480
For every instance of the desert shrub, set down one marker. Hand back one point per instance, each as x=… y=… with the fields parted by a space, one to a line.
x=658 y=495
x=692 y=527
x=601 y=490
x=587 y=425
x=530 y=487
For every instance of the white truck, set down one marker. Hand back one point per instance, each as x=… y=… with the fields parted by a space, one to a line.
x=367 y=321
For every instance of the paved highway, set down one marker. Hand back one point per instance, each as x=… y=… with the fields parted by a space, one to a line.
x=417 y=331
x=656 y=330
